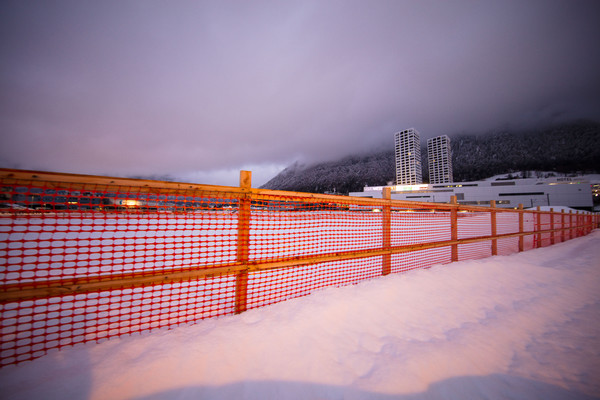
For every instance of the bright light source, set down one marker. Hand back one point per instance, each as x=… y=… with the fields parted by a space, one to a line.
x=130 y=203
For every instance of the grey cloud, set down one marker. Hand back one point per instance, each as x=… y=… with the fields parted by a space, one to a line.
x=185 y=88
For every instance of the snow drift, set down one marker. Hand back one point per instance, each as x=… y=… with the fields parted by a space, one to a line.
x=524 y=326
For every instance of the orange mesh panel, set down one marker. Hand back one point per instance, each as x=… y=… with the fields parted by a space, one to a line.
x=507 y=246
x=404 y=262
x=31 y=328
x=83 y=261
x=424 y=227
x=268 y=287
x=507 y=222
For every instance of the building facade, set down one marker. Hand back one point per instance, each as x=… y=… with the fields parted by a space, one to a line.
x=439 y=156
x=575 y=192
x=408 y=157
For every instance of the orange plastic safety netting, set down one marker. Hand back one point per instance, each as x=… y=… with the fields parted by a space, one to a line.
x=86 y=260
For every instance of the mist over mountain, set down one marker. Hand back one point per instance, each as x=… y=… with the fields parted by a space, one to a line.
x=565 y=148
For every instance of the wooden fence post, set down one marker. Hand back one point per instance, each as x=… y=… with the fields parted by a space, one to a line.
x=570 y=224
x=494 y=227
x=538 y=227
x=586 y=223
x=562 y=225
x=521 y=227
x=454 y=228
x=552 y=238
x=387 y=227
x=243 y=242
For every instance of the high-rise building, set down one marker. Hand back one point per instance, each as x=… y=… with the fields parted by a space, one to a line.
x=408 y=157
x=439 y=156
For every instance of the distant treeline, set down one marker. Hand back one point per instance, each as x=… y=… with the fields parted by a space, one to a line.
x=566 y=148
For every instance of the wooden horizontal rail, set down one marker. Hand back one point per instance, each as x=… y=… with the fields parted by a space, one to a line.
x=77 y=181
x=63 y=287
x=50 y=288
x=82 y=182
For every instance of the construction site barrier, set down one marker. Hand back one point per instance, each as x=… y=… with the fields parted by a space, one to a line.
x=87 y=258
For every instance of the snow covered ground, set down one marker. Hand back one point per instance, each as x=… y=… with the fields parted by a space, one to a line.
x=525 y=326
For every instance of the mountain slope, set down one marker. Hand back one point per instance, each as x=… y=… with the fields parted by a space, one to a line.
x=562 y=148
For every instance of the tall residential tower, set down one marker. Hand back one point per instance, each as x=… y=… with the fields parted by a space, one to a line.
x=440 y=160
x=408 y=157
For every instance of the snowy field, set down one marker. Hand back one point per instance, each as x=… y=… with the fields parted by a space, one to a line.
x=524 y=326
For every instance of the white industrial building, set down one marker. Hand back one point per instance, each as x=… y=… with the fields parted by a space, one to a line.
x=439 y=157
x=568 y=192
x=408 y=157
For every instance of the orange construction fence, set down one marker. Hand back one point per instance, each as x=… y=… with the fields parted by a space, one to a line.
x=87 y=258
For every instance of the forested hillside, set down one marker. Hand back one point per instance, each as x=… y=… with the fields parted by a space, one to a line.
x=565 y=148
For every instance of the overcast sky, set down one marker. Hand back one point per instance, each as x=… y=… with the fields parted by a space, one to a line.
x=201 y=89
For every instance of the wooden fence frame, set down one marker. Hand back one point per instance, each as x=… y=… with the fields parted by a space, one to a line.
x=243 y=266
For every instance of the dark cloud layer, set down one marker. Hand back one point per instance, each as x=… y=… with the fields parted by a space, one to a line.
x=201 y=89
